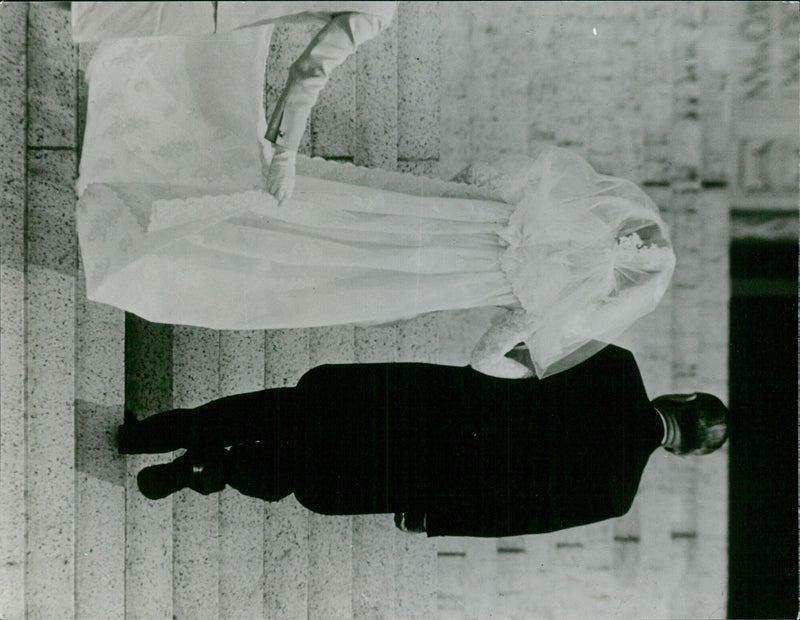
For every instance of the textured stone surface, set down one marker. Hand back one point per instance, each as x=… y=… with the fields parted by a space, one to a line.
x=330 y=539
x=196 y=552
x=375 y=344
x=373 y=567
x=286 y=568
x=286 y=523
x=376 y=102
x=333 y=118
x=414 y=574
x=285 y=357
x=454 y=126
x=148 y=548
x=195 y=555
x=451 y=563
x=100 y=510
x=13 y=26
x=420 y=167
x=241 y=518
x=52 y=65
x=51 y=211
x=148 y=524
x=417 y=339
x=330 y=566
x=49 y=434
x=418 y=74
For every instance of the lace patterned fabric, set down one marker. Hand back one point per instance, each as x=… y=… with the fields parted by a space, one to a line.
x=174 y=225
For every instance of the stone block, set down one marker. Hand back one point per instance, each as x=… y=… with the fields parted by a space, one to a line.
x=331 y=345
x=375 y=143
x=330 y=566
x=286 y=522
x=100 y=490
x=241 y=578
x=50 y=439
x=148 y=524
x=148 y=548
x=501 y=122
x=375 y=344
x=52 y=65
x=415 y=575
x=454 y=102
x=196 y=554
x=333 y=118
x=286 y=561
x=148 y=366
x=330 y=560
x=241 y=519
x=451 y=566
x=285 y=356
x=480 y=570
x=418 y=80
x=373 y=567
x=417 y=339
x=420 y=167
x=50 y=233
x=13 y=48
x=241 y=361
x=12 y=442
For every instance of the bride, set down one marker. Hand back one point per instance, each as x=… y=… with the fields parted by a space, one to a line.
x=175 y=224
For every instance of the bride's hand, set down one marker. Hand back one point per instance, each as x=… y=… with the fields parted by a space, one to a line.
x=279 y=172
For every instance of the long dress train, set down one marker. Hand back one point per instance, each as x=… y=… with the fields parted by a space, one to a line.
x=174 y=225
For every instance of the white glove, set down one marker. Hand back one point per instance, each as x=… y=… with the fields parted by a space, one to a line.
x=279 y=171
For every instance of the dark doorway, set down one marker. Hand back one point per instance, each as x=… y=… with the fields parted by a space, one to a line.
x=763 y=534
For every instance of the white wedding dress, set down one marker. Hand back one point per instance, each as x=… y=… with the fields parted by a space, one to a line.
x=174 y=225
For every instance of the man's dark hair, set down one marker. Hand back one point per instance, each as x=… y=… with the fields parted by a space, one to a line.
x=702 y=420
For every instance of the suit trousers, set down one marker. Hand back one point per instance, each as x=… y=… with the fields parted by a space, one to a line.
x=337 y=440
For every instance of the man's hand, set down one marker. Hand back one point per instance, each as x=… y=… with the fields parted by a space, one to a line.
x=410 y=522
x=279 y=172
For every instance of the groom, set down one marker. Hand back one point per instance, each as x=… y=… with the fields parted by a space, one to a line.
x=450 y=451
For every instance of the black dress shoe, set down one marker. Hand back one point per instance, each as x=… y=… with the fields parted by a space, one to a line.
x=126 y=434
x=204 y=475
x=159 y=481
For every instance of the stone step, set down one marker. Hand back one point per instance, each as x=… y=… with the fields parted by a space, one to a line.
x=91 y=545
x=13 y=51
x=195 y=547
x=330 y=539
x=148 y=524
x=286 y=525
x=100 y=485
x=241 y=518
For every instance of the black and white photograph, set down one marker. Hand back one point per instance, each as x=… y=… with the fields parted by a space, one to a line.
x=405 y=310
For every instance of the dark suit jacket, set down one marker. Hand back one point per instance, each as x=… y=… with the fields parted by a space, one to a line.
x=482 y=456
